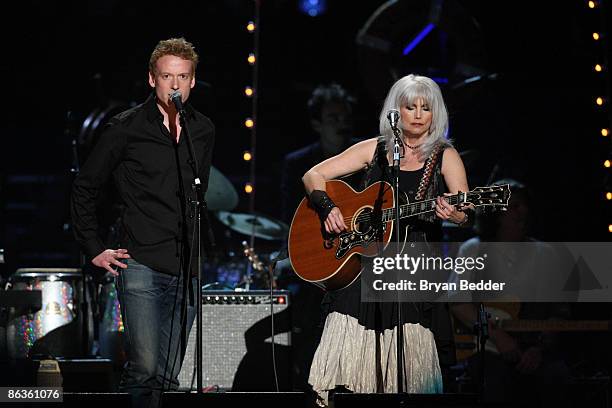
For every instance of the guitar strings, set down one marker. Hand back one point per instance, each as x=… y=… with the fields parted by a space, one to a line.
x=368 y=216
x=454 y=199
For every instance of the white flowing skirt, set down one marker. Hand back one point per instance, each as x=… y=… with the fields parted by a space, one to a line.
x=364 y=361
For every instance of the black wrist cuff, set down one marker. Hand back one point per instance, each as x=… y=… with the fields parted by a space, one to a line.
x=321 y=202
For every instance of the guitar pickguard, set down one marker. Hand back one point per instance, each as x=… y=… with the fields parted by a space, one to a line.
x=351 y=239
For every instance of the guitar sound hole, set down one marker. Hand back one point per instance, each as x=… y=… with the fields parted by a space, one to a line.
x=362 y=220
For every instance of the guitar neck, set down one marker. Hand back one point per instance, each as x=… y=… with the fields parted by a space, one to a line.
x=554 y=325
x=422 y=207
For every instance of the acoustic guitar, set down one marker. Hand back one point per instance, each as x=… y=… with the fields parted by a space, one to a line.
x=333 y=261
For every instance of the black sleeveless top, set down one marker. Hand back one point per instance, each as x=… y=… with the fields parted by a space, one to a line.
x=383 y=315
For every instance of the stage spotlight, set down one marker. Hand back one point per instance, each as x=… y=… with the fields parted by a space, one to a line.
x=604 y=132
x=248 y=91
x=608 y=196
x=607 y=164
x=313 y=7
x=596 y=36
x=247 y=156
x=598 y=68
x=248 y=188
x=249 y=123
x=592 y=4
x=599 y=101
x=250 y=27
x=251 y=59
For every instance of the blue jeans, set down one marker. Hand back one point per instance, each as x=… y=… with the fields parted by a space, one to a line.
x=147 y=299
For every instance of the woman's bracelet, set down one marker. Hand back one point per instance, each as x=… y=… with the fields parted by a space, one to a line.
x=321 y=202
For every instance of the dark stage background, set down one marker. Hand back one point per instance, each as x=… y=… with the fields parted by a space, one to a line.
x=533 y=115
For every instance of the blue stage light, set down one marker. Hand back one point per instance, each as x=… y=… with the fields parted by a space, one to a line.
x=313 y=7
x=418 y=38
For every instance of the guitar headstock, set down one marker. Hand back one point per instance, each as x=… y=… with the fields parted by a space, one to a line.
x=493 y=196
x=252 y=257
x=262 y=268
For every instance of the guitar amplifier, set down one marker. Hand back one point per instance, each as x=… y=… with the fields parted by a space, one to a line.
x=237 y=342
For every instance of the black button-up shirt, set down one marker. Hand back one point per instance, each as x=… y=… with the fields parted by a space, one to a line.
x=154 y=179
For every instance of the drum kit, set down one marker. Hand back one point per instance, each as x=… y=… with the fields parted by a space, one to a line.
x=229 y=267
x=78 y=314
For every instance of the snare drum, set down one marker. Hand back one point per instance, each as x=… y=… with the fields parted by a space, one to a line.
x=57 y=328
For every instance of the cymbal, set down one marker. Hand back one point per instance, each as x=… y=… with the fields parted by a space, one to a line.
x=258 y=225
x=221 y=194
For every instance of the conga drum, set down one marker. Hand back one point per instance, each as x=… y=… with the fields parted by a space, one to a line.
x=57 y=328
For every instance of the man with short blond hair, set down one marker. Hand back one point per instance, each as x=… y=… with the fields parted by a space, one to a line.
x=144 y=152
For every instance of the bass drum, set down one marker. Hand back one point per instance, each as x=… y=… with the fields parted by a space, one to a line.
x=56 y=329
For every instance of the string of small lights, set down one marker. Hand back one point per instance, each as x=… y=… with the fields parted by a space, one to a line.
x=602 y=101
x=250 y=91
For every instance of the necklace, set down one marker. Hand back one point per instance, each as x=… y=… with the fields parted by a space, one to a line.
x=412 y=147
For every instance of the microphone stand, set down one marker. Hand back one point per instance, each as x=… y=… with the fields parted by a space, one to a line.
x=482 y=329
x=400 y=329
x=199 y=206
x=74 y=170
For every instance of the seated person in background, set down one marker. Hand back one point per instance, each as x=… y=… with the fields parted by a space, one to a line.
x=523 y=368
x=331 y=117
x=330 y=110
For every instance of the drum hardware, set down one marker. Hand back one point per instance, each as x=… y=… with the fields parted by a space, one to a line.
x=231 y=271
x=257 y=225
x=264 y=270
x=231 y=268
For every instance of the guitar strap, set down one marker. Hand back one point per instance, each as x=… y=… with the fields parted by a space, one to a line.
x=430 y=164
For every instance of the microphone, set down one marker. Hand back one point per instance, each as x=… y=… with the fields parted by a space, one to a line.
x=176 y=98
x=393 y=117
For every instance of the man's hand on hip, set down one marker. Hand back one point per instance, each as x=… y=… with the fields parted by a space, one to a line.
x=111 y=257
